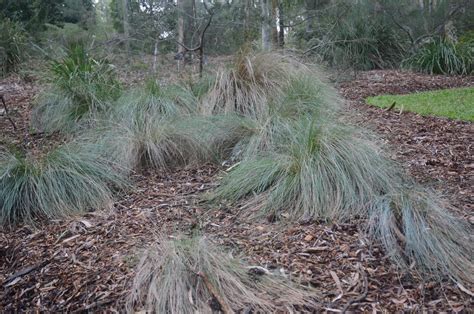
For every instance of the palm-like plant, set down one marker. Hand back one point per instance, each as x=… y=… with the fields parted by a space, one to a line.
x=80 y=86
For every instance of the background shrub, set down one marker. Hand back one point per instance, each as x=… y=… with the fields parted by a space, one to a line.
x=80 y=86
x=13 y=40
x=442 y=56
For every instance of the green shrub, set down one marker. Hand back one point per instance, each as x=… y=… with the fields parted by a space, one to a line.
x=352 y=35
x=181 y=276
x=55 y=38
x=69 y=179
x=441 y=56
x=13 y=39
x=80 y=86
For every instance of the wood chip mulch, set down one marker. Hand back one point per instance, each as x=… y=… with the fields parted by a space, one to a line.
x=86 y=263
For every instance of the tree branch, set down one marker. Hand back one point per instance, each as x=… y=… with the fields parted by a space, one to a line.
x=7 y=114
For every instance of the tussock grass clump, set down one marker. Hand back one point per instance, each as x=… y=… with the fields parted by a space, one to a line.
x=193 y=276
x=165 y=100
x=415 y=225
x=256 y=81
x=313 y=169
x=162 y=143
x=159 y=135
x=80 y=86
x=69 y=179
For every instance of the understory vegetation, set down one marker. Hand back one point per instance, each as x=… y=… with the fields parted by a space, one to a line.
x=80 y=86
x=182 y=275
x=277 y=122
x=443 y=56
x=66 y=180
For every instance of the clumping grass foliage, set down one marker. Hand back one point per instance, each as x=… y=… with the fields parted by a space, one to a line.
x=69 y=179
x=297 y=159
x=415 y=225
x=442 y=56
x=80 y=86
x=313 y=169
x=194 y=276
x=153 y=127
x=165 y=100
x=253 y=83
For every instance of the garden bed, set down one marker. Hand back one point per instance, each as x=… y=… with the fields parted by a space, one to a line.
x=87 y=263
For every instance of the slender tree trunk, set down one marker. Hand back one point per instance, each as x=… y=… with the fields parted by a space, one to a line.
x=181 y=50
x=266 y=27
x=126 y=27
x=274 y=24
x=309 y=15
x=155 y=54
x=246 y=20
x=281 y=22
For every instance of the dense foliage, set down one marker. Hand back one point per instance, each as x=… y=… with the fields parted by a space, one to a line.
x=13 y=40
x=442 y=56
x=66 y=180
x=80 y=86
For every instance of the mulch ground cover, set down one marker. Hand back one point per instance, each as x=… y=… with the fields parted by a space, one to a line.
x=86 y=263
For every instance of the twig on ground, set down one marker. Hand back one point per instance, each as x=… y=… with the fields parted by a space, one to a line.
x=23 y=272
x=7 y=114
x=391 y=106
x=363 y=295
x=224 y=306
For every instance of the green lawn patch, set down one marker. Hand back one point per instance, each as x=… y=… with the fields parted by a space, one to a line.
x=456 y=103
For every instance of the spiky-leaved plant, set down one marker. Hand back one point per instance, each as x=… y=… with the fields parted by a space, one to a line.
x=69 y=179
x=442 y=56
x=195 y=276
x=80 y=86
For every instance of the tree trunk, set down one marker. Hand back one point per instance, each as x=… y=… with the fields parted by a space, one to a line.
x=126 y=27
x=266 y=27
x=281 y=22
x=309 y=15
x=246 y=21
x=274 y=24
x=155 y=55
x=181 y=50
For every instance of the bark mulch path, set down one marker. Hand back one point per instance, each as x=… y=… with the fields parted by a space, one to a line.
x=436 y=151
x=86 y=263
